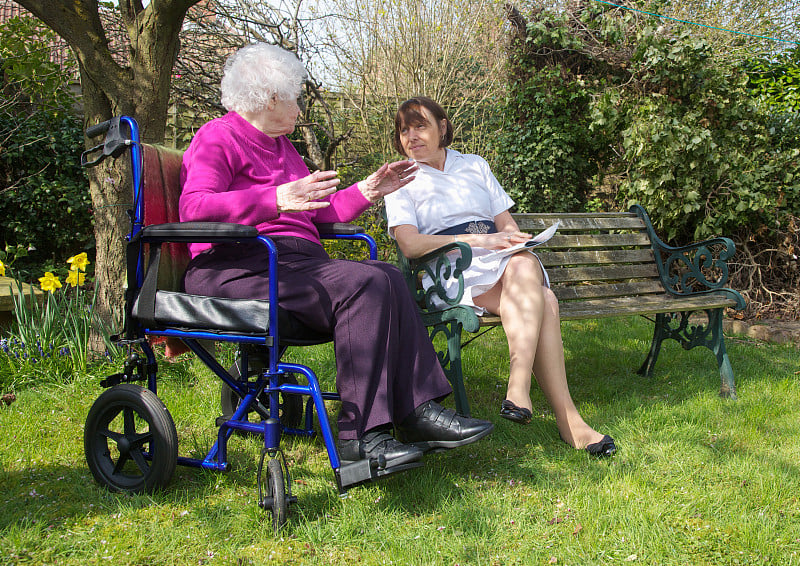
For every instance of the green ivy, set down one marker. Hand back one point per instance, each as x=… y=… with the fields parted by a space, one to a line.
x=45 y=204
x=602 y=106
x=776 y=80
x=698 y=154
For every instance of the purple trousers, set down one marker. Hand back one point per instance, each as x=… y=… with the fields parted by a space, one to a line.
x=385 y=363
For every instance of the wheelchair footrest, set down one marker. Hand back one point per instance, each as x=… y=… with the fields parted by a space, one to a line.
x=360 y=471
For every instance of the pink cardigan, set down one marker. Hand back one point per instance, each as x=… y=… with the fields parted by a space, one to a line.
x=230 y=173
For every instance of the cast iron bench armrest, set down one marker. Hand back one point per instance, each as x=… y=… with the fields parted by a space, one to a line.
x=693 y=269
x=218 y=232
x=433 y=264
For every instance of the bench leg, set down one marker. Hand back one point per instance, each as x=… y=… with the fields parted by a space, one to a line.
x=728 y=387
x=450 y=359
x=655 y=346
x=677 y=327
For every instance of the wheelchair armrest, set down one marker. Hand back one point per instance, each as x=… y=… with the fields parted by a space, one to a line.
x=344 y=231
x=197 y=232
x=339 y=229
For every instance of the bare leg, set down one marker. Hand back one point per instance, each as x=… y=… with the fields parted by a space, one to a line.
x=529 y=312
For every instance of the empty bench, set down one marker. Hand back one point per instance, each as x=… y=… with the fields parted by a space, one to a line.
x=600 y=265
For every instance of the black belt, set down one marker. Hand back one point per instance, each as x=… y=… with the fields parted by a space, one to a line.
x=471 y=227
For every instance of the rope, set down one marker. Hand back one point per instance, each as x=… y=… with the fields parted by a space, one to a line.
x=696 y=23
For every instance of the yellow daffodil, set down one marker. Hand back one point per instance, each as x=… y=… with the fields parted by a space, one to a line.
x=2 y=269
x=75 y=278
x=79 y=261
x=49 y=282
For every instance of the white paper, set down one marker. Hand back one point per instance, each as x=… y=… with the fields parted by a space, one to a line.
x=537 y=240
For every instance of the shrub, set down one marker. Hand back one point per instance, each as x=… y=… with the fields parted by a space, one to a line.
x=45 y=204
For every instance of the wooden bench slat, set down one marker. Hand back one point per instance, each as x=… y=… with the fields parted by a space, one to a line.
x=9 y=287
x=595 y=257
x=581 y=222
x=627 y=306
x=572 y=292
x=597 y=240
x=605 y=273
x=643 y=304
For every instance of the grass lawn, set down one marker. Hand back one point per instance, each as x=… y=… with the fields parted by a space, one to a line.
x=697 y=480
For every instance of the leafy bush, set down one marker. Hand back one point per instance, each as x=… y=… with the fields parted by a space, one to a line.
x=45 y=202
x=774 y=79
x=543 y=154
x=603 y=103
x=696 y=151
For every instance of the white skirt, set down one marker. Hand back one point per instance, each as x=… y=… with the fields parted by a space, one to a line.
x=482 y=274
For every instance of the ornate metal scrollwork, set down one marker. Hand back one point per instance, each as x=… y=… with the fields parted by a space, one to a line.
x=703 y=265
x=678 y=327
x=442 y=266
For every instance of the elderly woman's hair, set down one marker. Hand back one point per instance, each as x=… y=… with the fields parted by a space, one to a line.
x=410 y=113
x=258 y=72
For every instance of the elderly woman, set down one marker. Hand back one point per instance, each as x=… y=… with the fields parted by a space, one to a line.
x=242 y=168
x=455 y=197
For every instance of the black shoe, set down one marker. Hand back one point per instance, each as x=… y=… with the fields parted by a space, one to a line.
x=510 y=411
x=380 y=448
x=602 y=449
x=432 y=426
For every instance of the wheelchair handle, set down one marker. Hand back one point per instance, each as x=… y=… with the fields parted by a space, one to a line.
x=97 y=129
x=113 y=146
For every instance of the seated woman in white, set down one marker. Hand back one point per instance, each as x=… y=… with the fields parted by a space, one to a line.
x=455 y=197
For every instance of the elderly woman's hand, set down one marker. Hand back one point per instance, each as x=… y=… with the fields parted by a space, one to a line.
x=304 y=194
x=387 y=179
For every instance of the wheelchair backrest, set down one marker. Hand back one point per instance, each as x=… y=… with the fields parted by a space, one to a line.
x=161 y=189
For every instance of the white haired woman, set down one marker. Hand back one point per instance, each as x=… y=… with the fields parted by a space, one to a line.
x=242 y=168
x=451 y=195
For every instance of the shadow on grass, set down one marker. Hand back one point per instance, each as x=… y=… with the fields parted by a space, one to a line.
x=602 y=366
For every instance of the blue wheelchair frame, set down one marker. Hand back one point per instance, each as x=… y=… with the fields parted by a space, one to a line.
x=270 y=382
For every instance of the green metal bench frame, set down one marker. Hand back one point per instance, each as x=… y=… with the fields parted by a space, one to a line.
x=600 y=265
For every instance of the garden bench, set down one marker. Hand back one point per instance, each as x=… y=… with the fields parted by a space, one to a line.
x=600 y=265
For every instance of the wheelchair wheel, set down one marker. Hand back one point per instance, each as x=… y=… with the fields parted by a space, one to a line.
x=290 y=407
x=130 y=440
x=272 y=492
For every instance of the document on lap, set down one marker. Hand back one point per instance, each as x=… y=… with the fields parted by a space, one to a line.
x=537 y=240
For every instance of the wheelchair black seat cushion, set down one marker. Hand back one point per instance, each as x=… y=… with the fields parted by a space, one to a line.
x=216 y=314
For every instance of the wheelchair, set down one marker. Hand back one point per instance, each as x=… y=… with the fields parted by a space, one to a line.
x=130 y=439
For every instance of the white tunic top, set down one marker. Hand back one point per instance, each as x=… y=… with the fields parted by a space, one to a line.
x=436 y=200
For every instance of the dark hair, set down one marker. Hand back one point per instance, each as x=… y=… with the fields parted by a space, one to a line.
x=409 y=113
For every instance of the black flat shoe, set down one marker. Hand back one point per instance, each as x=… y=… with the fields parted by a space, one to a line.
x=602 y=449
x=379 y=447
x=431 y=426
x=510 y=411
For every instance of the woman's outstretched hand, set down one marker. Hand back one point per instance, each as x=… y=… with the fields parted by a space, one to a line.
x=499 y=240
x=387 y=179
x=304 y=194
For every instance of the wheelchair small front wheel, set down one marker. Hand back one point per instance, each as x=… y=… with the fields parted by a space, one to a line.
x=130 y=440
x=272 y=492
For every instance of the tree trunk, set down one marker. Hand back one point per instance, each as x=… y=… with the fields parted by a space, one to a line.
x=138 y=87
